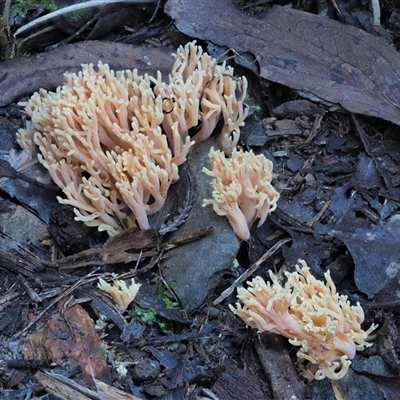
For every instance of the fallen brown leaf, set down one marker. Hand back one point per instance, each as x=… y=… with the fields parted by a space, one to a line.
x=336 y=62
x=21 y=77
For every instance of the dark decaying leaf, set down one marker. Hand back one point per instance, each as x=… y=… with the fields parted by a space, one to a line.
x=317 y=251
x=39 y=201
x=390 y=386
x=384 y=151
x=102 y=304
x=376 y=256
x=148 y=298
x=366 y=176
x=21 y=77
x=307 y=52
x=374 y=249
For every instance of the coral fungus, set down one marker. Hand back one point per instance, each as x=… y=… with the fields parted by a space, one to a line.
x=312 y=315
x=242 y=189
x=113 y=141
x=120 y=292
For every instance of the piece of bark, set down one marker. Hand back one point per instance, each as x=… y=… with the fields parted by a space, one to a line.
x=21 y=77
x=338 y=63
x=68 y=337
x=236 y=384
x=103 y=304
x=63 y=390
x=67 y=389
x=277 y=365
x=18 y=259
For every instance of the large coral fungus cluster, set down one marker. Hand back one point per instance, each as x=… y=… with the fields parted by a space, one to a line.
x=99 y=138
x=113 y=141
x=200 y=93
x=242 y=189
x=312 y=315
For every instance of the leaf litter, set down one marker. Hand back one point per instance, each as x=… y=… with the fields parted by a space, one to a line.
x=336 y=173
x=335 y=62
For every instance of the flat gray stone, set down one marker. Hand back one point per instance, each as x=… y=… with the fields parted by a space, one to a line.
x=194 y=270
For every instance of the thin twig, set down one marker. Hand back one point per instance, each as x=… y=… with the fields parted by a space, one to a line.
x=75 y=7
x=257 y=3
x=57 y=299
x=155 y=11
x=80 y=30
x=30 y=37
x=250 y=271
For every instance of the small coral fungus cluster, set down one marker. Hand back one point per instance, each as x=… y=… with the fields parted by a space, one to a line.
x=120 y=292
x=312 y=315
x=113 y=141
x=242 y=189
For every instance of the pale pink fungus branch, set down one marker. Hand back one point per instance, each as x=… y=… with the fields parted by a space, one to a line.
x=200 y=92
x=242 y=189
x=120 y=292
x=113 y=141
x=311 y=314
x=100 y=138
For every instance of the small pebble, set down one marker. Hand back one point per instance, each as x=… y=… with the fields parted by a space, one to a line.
x=145 y=370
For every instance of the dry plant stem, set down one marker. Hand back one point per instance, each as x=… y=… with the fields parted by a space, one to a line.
x=337 y=389
x=31 y=293
x=100 y=256
x=257 y=3
x=76 y=7
x=372 y=304
x=166 y=285
x=107 y=392
x=209 y=394
x=8 y=299
x=156 y=8
x=376 y=9
x=9 y=172
x=337 y=9
x=53 y=386
x=186 y=239
x=44 y=30
x=79 y=31
x=318 y=216
x=6 y=16
x=250 y=271
x=314 y=129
